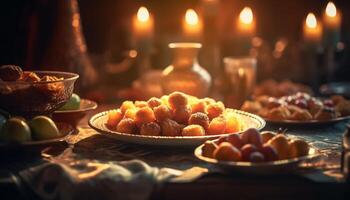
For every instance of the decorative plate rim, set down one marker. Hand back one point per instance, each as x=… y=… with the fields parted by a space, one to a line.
x=198 y=153
x=261 y=121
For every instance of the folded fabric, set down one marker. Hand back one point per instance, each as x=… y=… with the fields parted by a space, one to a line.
x=88 y=179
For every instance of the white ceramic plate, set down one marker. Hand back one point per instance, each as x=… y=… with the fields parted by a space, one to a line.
x=98 y=122
x=265 y=168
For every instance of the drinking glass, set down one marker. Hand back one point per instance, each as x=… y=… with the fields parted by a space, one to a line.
x=240 y=75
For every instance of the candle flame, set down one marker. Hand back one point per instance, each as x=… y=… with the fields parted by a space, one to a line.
x=311 y=21
x=241 y=72
x=246 y=15
x=143 y=14
x=191 y=17
x=331 y=10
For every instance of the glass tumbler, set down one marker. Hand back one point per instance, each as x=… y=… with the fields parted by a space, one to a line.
x=240 y=74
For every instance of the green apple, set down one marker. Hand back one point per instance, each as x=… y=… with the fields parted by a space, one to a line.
x=15 y=130
x=43 y=128
x=72 y=104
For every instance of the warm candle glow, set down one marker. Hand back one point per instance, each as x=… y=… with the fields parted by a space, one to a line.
x=312 y=30
x=331 y=10
x=246 y=15
x=191 y=17
x=241 y=72
x=311 y=21
x=143 y=14
x=246 y=22
x=192 y=25
x=143 y=24
x=332 y=18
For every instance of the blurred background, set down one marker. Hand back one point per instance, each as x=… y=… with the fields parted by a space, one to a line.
x=30 y=37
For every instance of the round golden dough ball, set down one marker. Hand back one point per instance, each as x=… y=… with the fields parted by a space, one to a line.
x=126 y=105
x=164 y=100
x=114 y=118
x=177 y=99
x=150 y=128
x=199 y=118
x=193 y=130
x=144 y=115
x=171 y=128
x=217 y=126
x=208 y=100
x=233 y=124
x=182 y=114
x=130 y=113
x=141 y=104
x=127 y=126
x=154 y=102
x=215 y=109
x=199 y=106
x=162 y=113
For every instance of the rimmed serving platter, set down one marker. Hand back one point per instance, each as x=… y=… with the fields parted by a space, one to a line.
x=264 y=168
x=98 y=122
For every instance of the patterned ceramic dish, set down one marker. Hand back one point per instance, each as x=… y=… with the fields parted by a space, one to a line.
x=98 y=122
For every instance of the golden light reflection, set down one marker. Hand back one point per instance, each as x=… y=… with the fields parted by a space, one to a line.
x=311 y=21
x=132 y=53
x=241 y=72
x=257 y=41
x=191 y=17
x=76 y=20
x=143 y=14
x=331 y=10
x=246 y=15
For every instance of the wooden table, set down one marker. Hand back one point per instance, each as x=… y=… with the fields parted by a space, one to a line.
x=211 y=186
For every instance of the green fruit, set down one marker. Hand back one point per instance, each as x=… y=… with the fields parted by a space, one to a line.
x=43 y=128
x=72 y=104
x=15 y=130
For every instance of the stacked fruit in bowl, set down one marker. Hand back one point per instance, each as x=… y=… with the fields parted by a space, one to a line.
x=32 y=93
x=253 y=146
